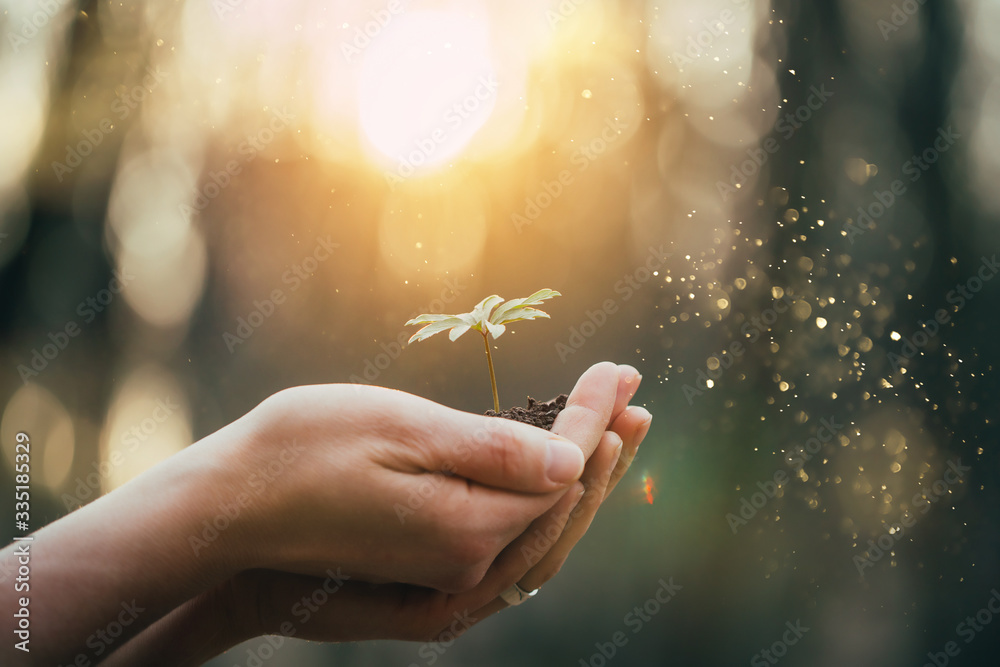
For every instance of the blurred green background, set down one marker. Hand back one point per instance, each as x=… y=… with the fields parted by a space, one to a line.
x=822 y=175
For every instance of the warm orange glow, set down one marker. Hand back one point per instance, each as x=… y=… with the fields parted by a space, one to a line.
x=427 y=86
x=648 y=488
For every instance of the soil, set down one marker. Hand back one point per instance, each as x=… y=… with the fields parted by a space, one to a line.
x=538 y=413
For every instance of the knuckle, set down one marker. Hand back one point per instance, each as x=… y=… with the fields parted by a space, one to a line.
x=471 y=550
x=461 y=579
x=505 y=452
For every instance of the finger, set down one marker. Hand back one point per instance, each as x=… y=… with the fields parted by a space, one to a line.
x=600 y=468
x=589 y=406
x=632 y=426
x=510 y=455
x=519 y=557
x=334 y=609
x=628 y=383
x=549 y=550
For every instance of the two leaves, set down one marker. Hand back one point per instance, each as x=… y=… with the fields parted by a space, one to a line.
x=483 y=318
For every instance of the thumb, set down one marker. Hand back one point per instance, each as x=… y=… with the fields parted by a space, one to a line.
x=510 y=455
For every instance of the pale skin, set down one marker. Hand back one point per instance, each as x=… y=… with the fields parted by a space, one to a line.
x=358 y=494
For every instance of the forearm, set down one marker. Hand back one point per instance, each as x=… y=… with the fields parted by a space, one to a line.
x=190 y=635
x=101 y=574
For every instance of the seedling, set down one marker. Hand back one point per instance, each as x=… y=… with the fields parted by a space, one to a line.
x=487 y=321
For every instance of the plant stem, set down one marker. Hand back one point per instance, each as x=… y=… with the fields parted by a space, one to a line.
x=493 y=377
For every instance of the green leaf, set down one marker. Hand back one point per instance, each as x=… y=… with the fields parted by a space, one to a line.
x=481 y=313
x=518 y=309
x=437 y=327
x=488 y=316
x=427 y=318
x=496 y=330
x=458 y=331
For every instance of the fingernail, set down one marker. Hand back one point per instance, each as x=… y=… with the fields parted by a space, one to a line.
x=563 y=460
x=632 y=377
x=643 y=426
x=616 y=456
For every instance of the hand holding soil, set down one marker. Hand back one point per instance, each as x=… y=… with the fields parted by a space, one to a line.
x=500 y=492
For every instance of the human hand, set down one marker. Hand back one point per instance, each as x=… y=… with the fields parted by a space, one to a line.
x=267 y=601
x=392 y=487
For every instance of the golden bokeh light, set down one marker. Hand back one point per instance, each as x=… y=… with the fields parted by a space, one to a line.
x=148 y=421
x=437 y=227
x=39 y=413
x=427 y=85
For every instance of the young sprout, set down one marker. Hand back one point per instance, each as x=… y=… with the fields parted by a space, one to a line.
x=487 y=321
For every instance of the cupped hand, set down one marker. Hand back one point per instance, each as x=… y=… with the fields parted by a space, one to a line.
x=392 y=487
x=506 y=475
x=597 y=417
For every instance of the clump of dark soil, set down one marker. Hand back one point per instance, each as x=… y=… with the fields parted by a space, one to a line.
x=538 y=413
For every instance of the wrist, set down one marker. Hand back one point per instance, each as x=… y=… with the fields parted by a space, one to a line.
x=113 y=544
x=233 y=495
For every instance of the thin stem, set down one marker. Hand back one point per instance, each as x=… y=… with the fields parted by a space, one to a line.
x=493 y=377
